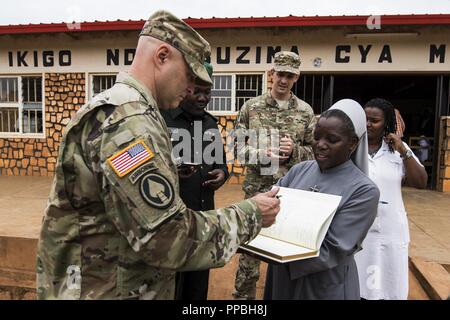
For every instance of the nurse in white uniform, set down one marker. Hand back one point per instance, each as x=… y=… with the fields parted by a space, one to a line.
x=383 y=261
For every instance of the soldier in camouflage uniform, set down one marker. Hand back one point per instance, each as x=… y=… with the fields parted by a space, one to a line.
x=279 y=109
x=115 y=226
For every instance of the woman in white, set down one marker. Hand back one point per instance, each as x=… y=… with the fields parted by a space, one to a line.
x=383 y=261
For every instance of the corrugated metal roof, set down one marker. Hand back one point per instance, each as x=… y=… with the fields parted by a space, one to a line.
x=230 y=22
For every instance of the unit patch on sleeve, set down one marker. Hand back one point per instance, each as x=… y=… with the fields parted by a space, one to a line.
x=130 y=158
x=157 y=191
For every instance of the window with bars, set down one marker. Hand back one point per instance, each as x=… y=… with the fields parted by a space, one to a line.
x=101 y=83
x=221 y=93
x=230 y=91
x=21 y=109
x=247 y=86
x=316 y=90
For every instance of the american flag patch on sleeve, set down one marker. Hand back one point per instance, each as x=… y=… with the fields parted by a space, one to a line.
x=130 y=158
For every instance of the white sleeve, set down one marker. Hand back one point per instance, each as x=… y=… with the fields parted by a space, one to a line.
x=414 y=156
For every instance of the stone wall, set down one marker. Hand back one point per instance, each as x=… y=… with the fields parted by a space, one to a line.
x=64 y=95
x=236 y=170
x=444 y=161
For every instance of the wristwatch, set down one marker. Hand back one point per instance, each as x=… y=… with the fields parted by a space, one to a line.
x=408 y=154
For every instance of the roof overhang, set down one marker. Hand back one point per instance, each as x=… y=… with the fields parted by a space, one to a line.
x=222 y=23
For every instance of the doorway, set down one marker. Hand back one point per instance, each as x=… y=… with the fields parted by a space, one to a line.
x=416 y=96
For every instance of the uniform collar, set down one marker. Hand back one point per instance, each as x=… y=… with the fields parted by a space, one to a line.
x=384 y=146
x=346 y=164
x=292 y=101
x=383 y=149
x=128 y=79
x=175 y=113
x=179 y=112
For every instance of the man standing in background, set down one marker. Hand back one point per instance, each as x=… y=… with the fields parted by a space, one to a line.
x=197 y=184
x=277 y=110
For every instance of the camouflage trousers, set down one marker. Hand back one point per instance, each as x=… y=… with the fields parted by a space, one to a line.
x=247 y=274
x=246 y=277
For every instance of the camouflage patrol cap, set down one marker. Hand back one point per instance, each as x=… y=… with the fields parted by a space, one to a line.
x=209 y=69
x=286 y=61
x=166 y=27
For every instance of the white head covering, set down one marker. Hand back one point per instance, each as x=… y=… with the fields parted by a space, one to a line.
x=358 y=117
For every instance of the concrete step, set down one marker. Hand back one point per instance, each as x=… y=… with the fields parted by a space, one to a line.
x=433 y=277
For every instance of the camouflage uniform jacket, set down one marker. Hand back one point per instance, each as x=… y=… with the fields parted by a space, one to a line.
x=263 y=112
x=107 y=236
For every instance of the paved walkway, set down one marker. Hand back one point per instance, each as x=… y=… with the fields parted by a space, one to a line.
x=23 y=202
x=429 y=222
x=24 y=199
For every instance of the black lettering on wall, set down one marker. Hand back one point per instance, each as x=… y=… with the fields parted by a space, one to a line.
x=129 y=56
x=225 y=60
x=258 y=55
x=385 y=54
x=436 y=52
x=10 y=58
x=364 y=52
x=21 y=59
x=47 y=59
x=271 y=53
x=240 y=59
x=65 y=58
x=112 y=57
x=35 y=58
x=339 y=50
x=294 y=49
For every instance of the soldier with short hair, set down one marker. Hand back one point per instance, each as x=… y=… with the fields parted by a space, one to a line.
x=293 y=119
x=115 y=226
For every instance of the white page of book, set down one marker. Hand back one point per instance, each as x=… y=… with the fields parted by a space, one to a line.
x=302 y=217
x=278 y=247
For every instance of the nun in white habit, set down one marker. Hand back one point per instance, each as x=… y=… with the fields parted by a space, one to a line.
x=340 y=168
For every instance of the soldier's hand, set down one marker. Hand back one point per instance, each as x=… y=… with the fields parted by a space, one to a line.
x=269 y=206
x=286 y=146
x=274 y=155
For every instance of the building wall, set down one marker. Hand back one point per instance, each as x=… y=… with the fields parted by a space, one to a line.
x=341 y=50
x=64 y=95
x=444 y=174
x=233 y=51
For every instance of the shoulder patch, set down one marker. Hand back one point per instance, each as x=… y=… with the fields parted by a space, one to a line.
x=130 y=158
x=157 y=191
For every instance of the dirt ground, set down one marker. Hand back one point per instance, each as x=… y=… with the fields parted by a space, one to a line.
x=429 y=220
x=24 y=200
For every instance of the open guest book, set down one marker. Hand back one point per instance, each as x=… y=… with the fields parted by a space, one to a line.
x=300 y=227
